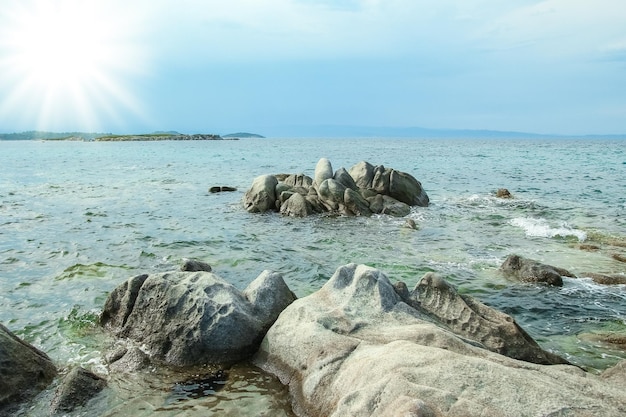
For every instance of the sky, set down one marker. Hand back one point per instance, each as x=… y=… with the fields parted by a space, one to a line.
x=279 y=67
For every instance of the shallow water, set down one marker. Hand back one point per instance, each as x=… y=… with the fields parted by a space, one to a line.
x=77 y=219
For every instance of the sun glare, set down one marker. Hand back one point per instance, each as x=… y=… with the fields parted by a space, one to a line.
x=65 y=62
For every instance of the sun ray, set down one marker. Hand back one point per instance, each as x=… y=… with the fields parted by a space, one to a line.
x=68 y=62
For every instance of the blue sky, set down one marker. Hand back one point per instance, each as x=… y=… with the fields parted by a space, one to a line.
x=554 y=66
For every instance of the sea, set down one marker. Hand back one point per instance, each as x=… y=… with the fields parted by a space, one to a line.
x=79 y=218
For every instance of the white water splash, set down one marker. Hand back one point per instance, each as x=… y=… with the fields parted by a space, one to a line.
x=541 y=228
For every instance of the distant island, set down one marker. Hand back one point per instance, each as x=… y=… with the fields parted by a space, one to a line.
x=243 y=135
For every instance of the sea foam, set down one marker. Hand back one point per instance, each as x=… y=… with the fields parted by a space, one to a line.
x=541 y=228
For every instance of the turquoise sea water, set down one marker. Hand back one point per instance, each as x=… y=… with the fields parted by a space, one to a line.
x=78 y=218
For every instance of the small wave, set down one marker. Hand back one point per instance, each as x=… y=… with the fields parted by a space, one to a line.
x=541 y=228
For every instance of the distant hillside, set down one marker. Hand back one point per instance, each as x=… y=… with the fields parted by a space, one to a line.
x=40 y=135
x=243 y=135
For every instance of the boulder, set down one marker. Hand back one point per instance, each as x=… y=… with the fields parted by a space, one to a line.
x=606 y=279
x=78 y=387
x=193 y=318
x=529 y=270
x=468 y=317
x=343 y=177
x=363 y=174
x=194 y=265
x=354 y=348
x=331 y=193
x=355 y=203
x=296 y=205
x=405 y=188
x=393 y=207
x=323 y=171
x=261 y=196
x=222 y=188
x=503 y=193
x=24 y=371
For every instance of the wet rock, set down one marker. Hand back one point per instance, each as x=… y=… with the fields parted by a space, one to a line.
x=468 y=317
x=221 y=188
x=124 y=360
x=529 y=270
x=503 y=193
x=410 y=224
x=405 y=188
x=618 y=257
x=605 y=279
x=76 y=389
x=194 y=265
x=24 y=371
x=296 y=206
x=191 y=318
x=354 y=348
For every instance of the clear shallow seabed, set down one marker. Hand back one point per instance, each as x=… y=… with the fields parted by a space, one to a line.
x=78 y=218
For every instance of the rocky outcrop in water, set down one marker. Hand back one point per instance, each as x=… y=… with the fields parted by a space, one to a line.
x=361 y=191
x=24 y=371
x=355 y=348
x=529 y=270
x=191 y=318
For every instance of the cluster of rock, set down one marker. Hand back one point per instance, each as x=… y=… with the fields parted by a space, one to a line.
x=152 y=137
x=358 y=346
x=363 y=190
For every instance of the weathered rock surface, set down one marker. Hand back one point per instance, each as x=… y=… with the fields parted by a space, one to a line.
x=192 y=318
x=78 y=387
x=354 y=348
x=469 y=318
x=361 y=191
x=529 y=270
x=605 y=279
x=24 y=371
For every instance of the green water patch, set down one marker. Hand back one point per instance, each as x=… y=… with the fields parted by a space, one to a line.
x=95 y=270
x=79 y=323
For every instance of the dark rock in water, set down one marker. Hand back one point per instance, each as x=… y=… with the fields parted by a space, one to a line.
x=194 y=265
x=529 y=270
x=221 y=188
x=199 y=386
x=78 y=387
x=503 y=193
x=410 y=224
x=469 y=318
x=24 y=371
x=355 y=348
x=605 y=279
x=363 y=190
x=192 y=318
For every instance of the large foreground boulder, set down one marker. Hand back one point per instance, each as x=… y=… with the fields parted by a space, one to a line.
x=363 y=190
x=193 y=318
x=24 y=370
x=354 y=348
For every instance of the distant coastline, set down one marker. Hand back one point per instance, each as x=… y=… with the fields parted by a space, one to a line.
x=109 y=137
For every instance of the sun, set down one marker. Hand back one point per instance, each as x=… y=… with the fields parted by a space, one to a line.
x=67 y=62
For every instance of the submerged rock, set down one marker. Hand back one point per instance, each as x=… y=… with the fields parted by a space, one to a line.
x=354 y=348
x=24 y=371
x=191 y=318
x=350 y=192
x=529 y=270
x=78 y=387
